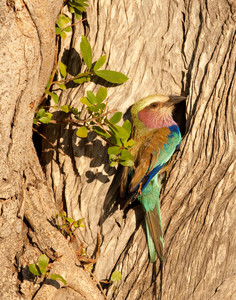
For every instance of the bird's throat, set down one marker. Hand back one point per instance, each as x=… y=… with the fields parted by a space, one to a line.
x=155 y=120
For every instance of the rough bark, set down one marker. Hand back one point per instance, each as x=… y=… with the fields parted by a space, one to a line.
x=27 y=202
x=163 y=47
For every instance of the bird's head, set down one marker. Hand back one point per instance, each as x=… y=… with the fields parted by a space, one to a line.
x=154 y=111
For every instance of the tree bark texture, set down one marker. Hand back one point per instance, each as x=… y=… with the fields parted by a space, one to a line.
x=183 y=47
x=27 y=203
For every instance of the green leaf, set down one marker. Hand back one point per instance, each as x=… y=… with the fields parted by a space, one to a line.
x=58 y=30
x=34 y=269
x=129 y=144
x=114 y=150
x=81 y=6
x=82 y=132
x=62 y=21
x=93 y=108
x=115 y=138
x=58 y=277
x=122 y=132
x=62 y=226
x=70 y=220
x=101 y=106
x=86 y=51
x=92 y=98
x=100 y=132
x=101 y=94
x=75 y=111
x=100 y=62
x=48 y=84
x=127 y=163
x=83 y=79
x=35 y=121
x=112 y=76
x=116 y=276
x=44 y=120
x=116 y=117
x=62 y=68
x=55 y=98
x=113 y=163
x=71 y=9
x=81 y=2
x=43 y=263
x=45 y=117
x=63 y=35
x=53 y=95
x=112 y=157
x=61 y=86
x=40 y=113
x=78 y=15
x=62 y=214
x=49 y=115
x=79 y=223
x=127 y=126
x=67 y=29
x=126 y=155
x=65 y=108
x=85 y=101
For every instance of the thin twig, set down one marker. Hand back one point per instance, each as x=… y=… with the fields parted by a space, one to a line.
x=82 y=121
x=70 y=79
x=53 y=70
x=99 y=246
x=55 y=64
x=100 y=116
x=73 y=24
x=97 y=281
x=99 y=125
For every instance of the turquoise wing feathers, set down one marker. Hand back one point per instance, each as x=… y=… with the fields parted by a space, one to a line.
x=142 y=181
x=155 y=152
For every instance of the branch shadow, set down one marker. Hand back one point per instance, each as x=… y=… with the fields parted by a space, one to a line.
x=70 y=145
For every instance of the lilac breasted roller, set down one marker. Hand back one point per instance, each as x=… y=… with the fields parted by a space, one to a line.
x=156 y=137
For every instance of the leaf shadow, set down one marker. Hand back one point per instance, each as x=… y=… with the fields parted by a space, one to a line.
x=72 y=60
x=52 y=282
x=67 y=143
x=28 y=276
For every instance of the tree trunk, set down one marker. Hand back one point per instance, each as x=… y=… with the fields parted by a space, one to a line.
x=184 y=47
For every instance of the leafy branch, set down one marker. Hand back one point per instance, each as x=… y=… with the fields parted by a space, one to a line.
x=41 y=269
x=93 y=70
x=68 y=225
x=97 y=107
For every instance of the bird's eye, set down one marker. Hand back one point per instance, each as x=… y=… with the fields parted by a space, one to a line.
x=153 y=105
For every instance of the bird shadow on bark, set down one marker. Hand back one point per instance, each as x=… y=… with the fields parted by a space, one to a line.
x=113 y=202
x=112 y=198
x=111 y=205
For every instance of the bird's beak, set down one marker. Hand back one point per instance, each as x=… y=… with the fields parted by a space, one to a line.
x=174 y=100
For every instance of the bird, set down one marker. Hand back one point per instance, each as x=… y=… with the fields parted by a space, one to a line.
x=156 y=137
